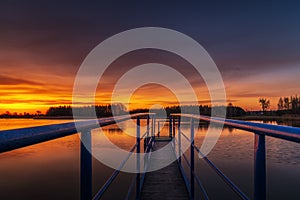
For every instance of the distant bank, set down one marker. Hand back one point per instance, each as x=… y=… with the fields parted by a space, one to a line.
x=267 y=118
x=246 y=117
x=59 y=117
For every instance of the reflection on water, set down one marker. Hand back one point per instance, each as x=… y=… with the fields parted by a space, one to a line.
x=295 y=123
x=32 y=172
x=50 y=170
x=6 y=124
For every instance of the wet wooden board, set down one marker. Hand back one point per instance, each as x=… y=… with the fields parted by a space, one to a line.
x=166 y=183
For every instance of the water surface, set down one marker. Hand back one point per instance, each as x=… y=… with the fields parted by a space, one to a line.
x=50 y=170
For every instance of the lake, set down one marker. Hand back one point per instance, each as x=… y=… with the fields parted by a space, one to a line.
x=50 y=170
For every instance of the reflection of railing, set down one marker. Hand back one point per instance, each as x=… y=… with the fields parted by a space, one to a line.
x=259 y=130
x=17 y=138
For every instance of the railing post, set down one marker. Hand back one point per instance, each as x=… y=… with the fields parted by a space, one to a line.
x=192 y=184
x=148 y=126
x=154 y=128
x=174 y=127
x=138 y=150
x=179 y=140
x=158 y=129
x=86 y=166
x=259 y=167
x=146 y=140
x=152 y=124
x=170 y=126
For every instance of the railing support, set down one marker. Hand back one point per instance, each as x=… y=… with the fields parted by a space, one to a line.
x=86 y=166
x=259 y=167
x=146 y=140
x=174 y=127
x=154 y=128
x=138 y=150
x=179 y=140
x=170 y=126
x=158 y=129
x=192 y=184
x=148 y=127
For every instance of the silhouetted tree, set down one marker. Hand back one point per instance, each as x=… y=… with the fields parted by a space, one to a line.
x=264 y=103
x=289 y=105
x=280 y=104
x=286 y=103
x=294 y=101
x=234 y=111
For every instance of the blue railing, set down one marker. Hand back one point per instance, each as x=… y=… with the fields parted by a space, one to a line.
x=17 y=138
x=259 y=130
x=148 y=138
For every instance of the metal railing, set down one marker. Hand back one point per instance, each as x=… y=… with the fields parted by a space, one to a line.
x=260 y=131
x=148 y=138
x=17 y=138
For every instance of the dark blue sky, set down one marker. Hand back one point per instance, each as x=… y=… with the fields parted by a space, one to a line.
x=234 y=33
x=247 y=40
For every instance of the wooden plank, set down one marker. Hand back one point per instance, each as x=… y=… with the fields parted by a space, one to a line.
x=166 y=183
x=163 y=138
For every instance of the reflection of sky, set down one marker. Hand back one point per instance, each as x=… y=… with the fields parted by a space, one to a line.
x=255 y=46
x=55 y=164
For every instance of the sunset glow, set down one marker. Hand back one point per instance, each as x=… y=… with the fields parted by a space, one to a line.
x=17 y=96
x=40 y=55
x=149 y=100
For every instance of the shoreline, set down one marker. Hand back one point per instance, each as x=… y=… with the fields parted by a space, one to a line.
x=267 y=118
x=246 y=117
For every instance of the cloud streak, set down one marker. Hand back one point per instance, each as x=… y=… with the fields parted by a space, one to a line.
x=43 y=45
x=6 y=80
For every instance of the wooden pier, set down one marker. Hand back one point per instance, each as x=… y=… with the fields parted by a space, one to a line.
x=166 y=183
x=170 y=182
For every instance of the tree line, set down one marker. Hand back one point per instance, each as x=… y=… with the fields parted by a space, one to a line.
x=100 y=110
x=285 y=105
x=232 y=111
x=8 y=114
x=120 y=109
x=289 y=104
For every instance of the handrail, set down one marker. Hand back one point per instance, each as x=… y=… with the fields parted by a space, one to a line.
x=215 y=168
x=277 y=131
x=105 y=186
x=222 y=175
x=260 y=131
x=114 y=175
x=22 y=137
x=136 y=147
x=195 y=176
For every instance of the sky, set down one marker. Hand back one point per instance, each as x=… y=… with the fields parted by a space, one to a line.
x=255 y=45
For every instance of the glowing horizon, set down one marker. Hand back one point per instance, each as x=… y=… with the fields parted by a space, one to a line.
x=257 y=52
x=30 y=98
x=30 y=92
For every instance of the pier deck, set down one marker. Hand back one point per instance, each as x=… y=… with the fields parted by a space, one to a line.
x=166 y=183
